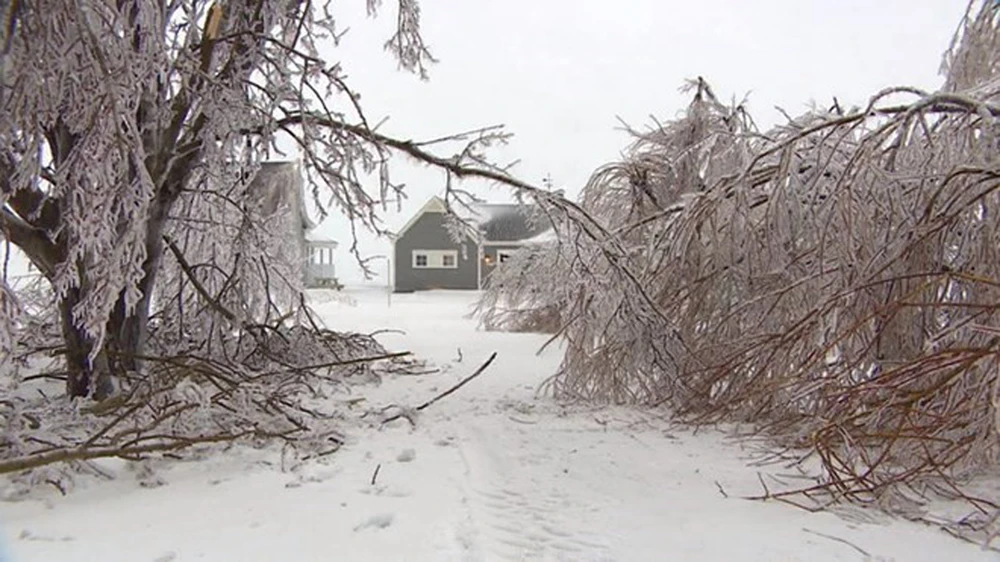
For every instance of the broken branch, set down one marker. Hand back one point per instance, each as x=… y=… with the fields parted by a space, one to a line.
x=446 y=393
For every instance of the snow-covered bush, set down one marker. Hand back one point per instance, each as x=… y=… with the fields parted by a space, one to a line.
x=834 y=281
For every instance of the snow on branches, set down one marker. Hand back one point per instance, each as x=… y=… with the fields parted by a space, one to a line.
x=252 y=389
x=834 y=281
x=129 y=129
x=131 y=138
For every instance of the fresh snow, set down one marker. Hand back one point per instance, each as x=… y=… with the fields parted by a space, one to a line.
x=491 y=472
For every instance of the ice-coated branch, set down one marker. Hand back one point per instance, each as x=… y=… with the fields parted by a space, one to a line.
x=826 y=282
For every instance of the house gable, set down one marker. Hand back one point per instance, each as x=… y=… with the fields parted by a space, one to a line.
x=433 y=205
x=425 y=255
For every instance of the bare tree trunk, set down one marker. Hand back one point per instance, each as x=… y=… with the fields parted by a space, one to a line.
x=83 y=373
x=126 y=330
x=129 y=331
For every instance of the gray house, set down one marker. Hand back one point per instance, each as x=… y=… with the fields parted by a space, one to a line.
x=279 y=192
x=426 y=255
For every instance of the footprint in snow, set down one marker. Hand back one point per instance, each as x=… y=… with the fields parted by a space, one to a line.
x=387 y=491
x=27 y=535
x=380 y=521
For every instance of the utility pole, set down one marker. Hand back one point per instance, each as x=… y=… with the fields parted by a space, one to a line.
x=388 y=281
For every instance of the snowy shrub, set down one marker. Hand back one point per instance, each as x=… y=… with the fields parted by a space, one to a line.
x=512 y=303
x=834 y=281
x=250 y=390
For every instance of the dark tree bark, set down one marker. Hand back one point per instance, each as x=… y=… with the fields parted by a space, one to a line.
x=90 y=372
x=84 y=371
x=128 y=331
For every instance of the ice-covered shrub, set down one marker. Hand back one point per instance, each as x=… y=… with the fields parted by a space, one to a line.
x=834 y=281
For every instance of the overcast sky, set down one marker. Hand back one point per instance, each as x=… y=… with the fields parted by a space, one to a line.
x=558 y=73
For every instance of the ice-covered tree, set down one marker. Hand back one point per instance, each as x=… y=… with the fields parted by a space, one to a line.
x=126 y=127
x=833 y=281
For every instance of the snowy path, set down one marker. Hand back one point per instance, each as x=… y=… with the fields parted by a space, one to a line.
x=490 y=473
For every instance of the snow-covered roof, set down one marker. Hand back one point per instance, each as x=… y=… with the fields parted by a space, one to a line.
x=317 y=238
x=545 y=237
x=510 y=222
x=498 y=222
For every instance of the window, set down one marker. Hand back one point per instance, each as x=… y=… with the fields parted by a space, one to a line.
x=435 y=259
x=320 y=255
x=504 y=255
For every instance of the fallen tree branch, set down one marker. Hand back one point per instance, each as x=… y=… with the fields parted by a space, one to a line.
x=90 y=453
x=238 y=393
x=840 y=540
x=446 y=393
x=186 y=268
x=356 y=361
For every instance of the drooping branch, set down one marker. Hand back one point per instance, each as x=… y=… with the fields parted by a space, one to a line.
x=830 y=283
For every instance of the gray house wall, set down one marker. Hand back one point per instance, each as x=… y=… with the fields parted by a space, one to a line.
x=429 y=233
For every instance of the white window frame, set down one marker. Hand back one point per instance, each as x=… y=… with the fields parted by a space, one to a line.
x=435 y=259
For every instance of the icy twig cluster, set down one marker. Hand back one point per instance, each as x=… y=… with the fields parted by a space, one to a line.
x=834 y=281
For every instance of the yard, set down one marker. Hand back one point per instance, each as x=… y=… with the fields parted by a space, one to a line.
x=491 y=472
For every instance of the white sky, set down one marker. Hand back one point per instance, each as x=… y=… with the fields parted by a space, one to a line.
x=558 y=73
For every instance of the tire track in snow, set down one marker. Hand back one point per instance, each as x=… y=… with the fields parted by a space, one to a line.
x=517 y=516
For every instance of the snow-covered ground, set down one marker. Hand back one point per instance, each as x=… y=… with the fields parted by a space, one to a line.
x=491 y=472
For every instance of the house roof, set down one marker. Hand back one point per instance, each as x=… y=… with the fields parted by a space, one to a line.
x=319 y=240
x=497 y=222
x=505 y=222
x=546 y=237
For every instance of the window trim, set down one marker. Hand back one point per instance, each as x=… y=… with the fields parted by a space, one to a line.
x=435 y=259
